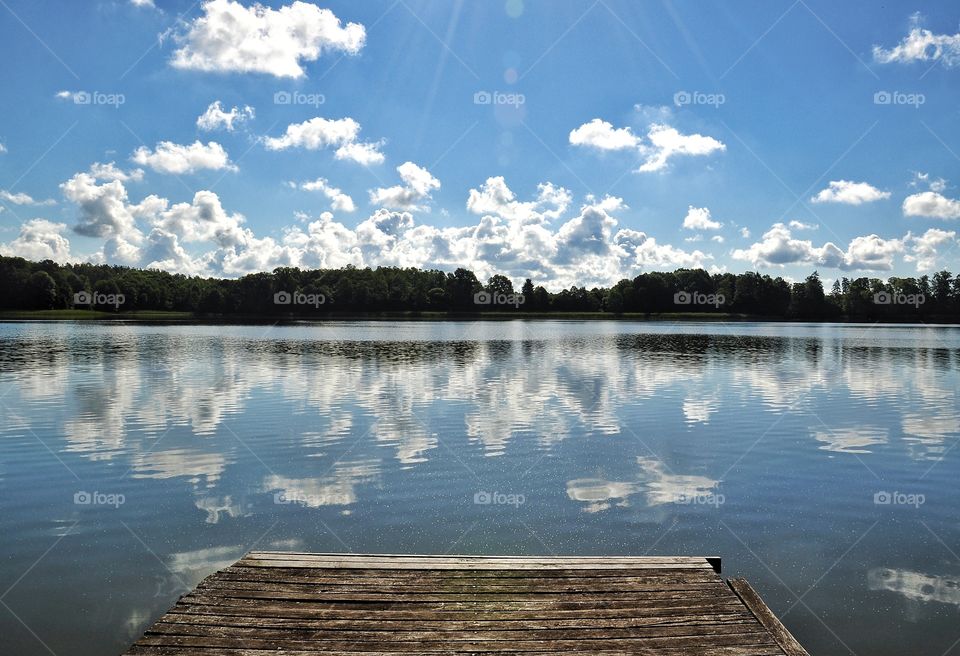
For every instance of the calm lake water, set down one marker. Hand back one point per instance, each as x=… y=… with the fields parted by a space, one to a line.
x=818 y=460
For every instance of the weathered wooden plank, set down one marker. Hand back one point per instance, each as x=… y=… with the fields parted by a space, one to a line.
x=766 y=617
x=285 y=555
x=434 y=597
x=376 y=604
x=463 y=564
x=677 y=617
x=637 y=650
x=454 y=588
x=454 y=610
x=424 y=646
x=287 y=634
x=519 y=576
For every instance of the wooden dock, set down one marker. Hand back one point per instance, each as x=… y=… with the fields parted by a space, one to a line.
x=303 y=604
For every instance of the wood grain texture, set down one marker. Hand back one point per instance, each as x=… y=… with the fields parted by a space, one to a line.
x=389 y=604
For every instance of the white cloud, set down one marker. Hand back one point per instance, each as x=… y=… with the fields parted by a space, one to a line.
x=178 y=159
x=932 y=205
x=3 y=148
x=214 y=118
x=38 y=240
x=939 y=185
x=416 y=187
x=778 y=247
x=668 y=142
x=698 y=218
x=21 y=198
x=662 y=142
x=537 y=238
x=338 y=200
x=203 y=219
x=110 y=171
x=362 y=153
x=800 y=225
x=106 y=213
x=495 y=197
x=229 y=37
x=925 y=248
x=850 y=193
x=143 y=3
x=317 y=133
x=602 y=135
x=745 y=232
x=921 y=45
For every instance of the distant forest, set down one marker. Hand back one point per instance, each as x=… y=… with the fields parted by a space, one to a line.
x=296 y=292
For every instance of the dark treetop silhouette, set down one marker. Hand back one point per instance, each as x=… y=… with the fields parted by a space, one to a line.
x=291 y=291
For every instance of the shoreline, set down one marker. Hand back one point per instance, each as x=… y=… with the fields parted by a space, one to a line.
x=175 y=317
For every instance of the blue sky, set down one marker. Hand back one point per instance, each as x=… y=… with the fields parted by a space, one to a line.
x=618 y=137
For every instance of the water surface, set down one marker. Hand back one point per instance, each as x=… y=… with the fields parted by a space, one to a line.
x=817 y=460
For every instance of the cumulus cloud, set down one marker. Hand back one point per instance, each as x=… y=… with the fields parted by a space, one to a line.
x=338 y=200
x=203 y=219
x=778 y=247
x=661 y=144
x=698 y=218
x=668 y=142
x=215 y=118
x=110 y=171
x=416 y=188
x=228 y=37
x=800 y=225
x=105 y=212
x=366 y=153
x=3 y=148
x=177 y=159
x=931 y=204
x=38 y=240
x=926 y=248
x=21 y=198
x=511 y=236
x=850 y=193
x=540 y=238
x=143 y=3
x=495 y=197
x=602 y=135
x=318 y=133
x=921 y=45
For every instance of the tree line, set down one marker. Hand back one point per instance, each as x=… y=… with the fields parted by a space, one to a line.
x=292 y=291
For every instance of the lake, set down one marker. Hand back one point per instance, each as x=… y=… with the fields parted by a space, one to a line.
x=818 y=460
